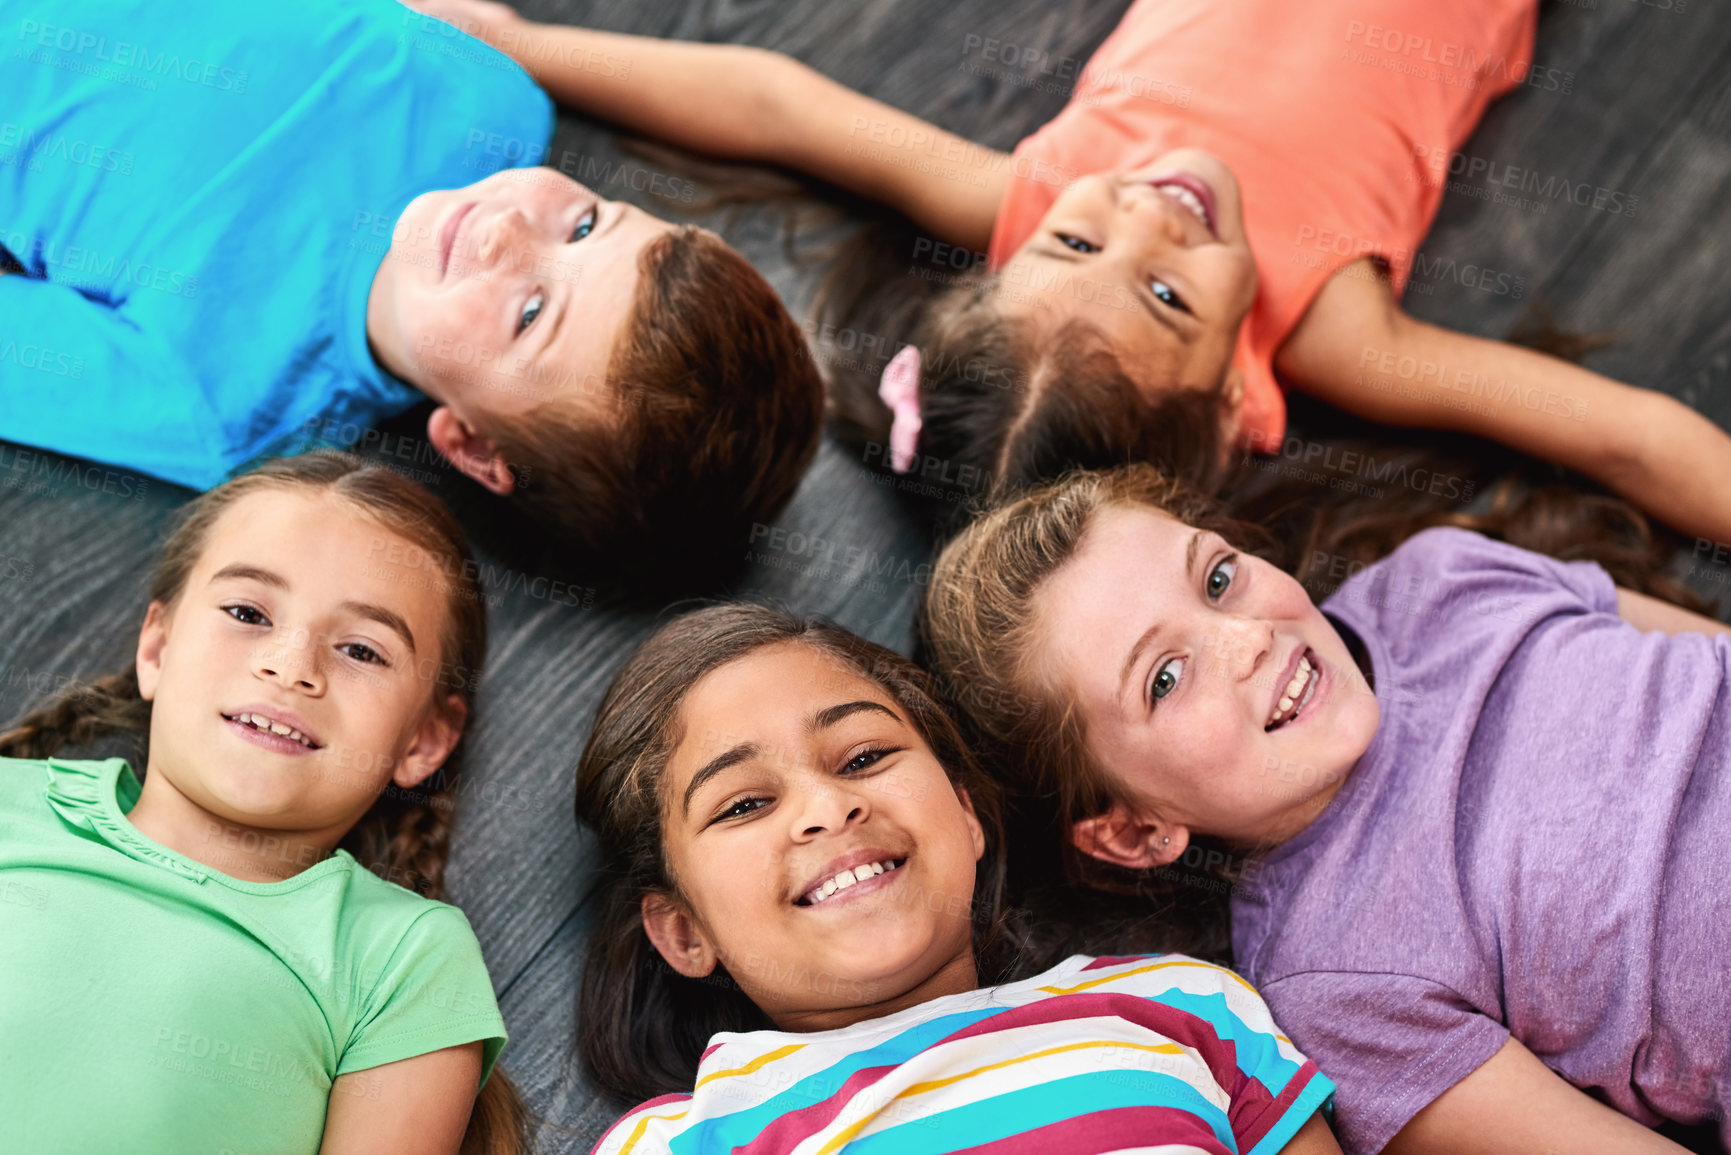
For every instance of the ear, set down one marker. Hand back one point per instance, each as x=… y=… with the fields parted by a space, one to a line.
x=152 y=639
x=1124 y=839
x=677 y=937
x=432 y=744
x=1231 y=406
x=975 y=831
x=470 y=451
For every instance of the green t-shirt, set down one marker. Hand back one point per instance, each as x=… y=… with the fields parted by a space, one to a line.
x=151 y=1004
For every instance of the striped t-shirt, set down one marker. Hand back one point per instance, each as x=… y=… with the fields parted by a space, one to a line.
x=1130 y=1054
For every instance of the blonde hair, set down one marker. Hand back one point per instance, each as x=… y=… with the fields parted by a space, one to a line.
x=979 y=623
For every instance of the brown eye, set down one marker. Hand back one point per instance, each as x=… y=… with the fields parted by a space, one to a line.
x=1077 y=243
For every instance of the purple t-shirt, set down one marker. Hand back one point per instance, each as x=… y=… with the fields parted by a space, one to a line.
x=1533 y=844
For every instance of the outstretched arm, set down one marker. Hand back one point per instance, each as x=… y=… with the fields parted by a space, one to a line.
x=751 y=104
x=1515 y=1105
x=1356 y=349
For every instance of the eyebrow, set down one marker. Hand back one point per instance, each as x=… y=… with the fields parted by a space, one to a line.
x=822 y=720
x=1149 y=634
x=372 y=611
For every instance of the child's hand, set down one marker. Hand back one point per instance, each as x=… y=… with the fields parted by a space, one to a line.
x=497 y=24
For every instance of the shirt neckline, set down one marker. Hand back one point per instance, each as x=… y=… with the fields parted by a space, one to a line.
x=88 y=794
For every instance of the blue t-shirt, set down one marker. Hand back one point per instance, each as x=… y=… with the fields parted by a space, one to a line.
x=200 y=194
x=1533 y=845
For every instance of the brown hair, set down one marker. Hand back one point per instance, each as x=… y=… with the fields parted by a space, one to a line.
x=642 y=1026
x=716 y=407
x=977 y=624
x=1021 y=403
x=405 y=835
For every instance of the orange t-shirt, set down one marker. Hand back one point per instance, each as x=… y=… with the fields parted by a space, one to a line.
x=1338 y=117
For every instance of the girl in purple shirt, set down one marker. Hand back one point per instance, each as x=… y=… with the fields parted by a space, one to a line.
x=1481 y=789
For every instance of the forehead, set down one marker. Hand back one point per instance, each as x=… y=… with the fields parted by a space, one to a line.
x=327 y=547
x=603 y=280
x=1043 y=294
x=766 y=698
x=1129 y=567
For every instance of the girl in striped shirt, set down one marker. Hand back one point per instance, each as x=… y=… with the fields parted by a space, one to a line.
x=802 y=923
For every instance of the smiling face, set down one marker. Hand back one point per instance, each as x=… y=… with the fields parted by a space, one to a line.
x=1156 y=259
x=501 y=296
x=290 y=679
x=819 y=849
x=1213 y=691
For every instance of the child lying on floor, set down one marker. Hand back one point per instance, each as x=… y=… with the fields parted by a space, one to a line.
x=1226 y=208
x=282 y=239
x=802 y=939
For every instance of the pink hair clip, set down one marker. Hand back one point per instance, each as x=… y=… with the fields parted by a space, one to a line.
x=899 y=388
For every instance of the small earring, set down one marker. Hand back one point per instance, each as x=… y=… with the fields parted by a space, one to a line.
x=1164 y=841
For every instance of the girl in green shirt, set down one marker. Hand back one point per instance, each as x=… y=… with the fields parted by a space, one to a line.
x=203 y=960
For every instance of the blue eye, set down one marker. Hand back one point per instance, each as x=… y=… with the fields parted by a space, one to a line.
x=1077 y=243
x=531 y=310
x=1166 y=295
x=1166 y=679
x=584 y=226
x=1220 y=577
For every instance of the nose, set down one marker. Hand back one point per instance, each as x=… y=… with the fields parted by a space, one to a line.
x=828 y=806
x=506 y=232
x=1243 y=646
x=1151 y=211
x=291 y=661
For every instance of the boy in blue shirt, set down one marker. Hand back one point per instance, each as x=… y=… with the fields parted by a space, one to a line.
x=220 y=239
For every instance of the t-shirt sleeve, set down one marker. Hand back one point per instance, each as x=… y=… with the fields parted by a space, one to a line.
x=1448 y=583
x=1391 y=1043
x=637 y=1128
x=77 y=377
x=1272 y=1088
x=432 y=993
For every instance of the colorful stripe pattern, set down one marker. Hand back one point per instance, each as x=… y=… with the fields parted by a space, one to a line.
x=1157 y=1052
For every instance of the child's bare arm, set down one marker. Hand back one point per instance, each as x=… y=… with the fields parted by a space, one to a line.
x=1515 y=1105
x=419 y=1105
x=1314 y=1138
x=1355 y=348
x=1649 y=613
x=751 y=104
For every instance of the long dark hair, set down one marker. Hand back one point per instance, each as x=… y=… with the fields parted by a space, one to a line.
x=406 y=835
x=642 y=1027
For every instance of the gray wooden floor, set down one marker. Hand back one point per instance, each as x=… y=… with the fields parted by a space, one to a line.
x=1647 y=115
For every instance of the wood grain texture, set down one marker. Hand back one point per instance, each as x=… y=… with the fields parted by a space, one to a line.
x=1647 y=115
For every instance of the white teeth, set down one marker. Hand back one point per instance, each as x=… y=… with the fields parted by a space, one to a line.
x=1186 y=198
x=847 y=878
x=268 y=726
x=1295 y=691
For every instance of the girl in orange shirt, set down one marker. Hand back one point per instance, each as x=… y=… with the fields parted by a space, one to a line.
x=1229 y=204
